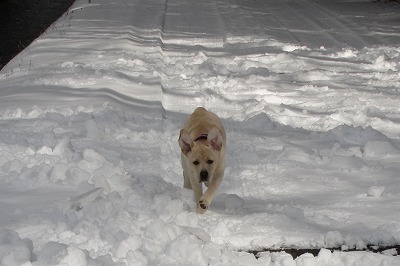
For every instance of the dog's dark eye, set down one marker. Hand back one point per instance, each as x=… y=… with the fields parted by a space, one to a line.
x=210 y=161
x=196 y=162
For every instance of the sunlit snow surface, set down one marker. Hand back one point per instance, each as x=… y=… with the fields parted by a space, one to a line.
x=309 y=94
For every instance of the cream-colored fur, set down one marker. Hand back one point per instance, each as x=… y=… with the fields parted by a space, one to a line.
x=203 y=142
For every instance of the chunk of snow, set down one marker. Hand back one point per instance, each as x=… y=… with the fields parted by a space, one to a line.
x=185 y=248
x=91 y=160
x=333 y=239
x=378 y=148
x=390 y=252
x=14 y=250
x=75 y=256
x=324 y=254
x=131 y=243
x=376 y=191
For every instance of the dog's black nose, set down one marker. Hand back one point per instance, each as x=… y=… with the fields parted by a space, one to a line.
x=203 y=175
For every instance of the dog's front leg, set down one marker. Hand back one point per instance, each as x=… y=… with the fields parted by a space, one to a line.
x=186 y=181
x=205 y=200
x=198 y=193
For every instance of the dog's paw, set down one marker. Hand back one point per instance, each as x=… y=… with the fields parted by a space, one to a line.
x=202 y=206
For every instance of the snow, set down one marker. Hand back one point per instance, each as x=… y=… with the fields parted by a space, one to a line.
x=308 y=92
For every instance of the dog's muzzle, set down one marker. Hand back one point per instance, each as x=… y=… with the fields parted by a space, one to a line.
x=203 y=176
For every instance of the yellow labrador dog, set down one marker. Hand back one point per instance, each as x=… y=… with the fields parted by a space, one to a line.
x=203 y=141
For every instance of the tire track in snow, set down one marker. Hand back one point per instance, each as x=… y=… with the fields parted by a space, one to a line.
x=333 y=24
x=192 y=23
x=308 y=21
x=311 y=23
x=186 y=26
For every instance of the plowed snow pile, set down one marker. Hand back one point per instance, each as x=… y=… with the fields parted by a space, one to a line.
x=308 y=92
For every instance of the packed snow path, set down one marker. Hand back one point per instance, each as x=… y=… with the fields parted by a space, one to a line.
x=309 y=95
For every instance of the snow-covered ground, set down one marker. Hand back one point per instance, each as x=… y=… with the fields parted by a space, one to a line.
x=309 y=94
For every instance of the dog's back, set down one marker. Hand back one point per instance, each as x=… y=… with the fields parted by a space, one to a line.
x=201 y=121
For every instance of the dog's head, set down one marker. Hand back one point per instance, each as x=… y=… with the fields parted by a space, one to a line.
x=203 y=153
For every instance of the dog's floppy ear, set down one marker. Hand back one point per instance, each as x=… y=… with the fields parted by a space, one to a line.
x=215 y=138
x=185 y=141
